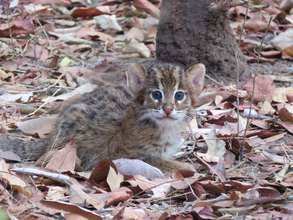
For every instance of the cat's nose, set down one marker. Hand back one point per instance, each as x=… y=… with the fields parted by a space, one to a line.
x=168 y=110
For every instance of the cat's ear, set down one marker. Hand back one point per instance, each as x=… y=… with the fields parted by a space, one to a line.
x=195 y=75
x=135 y=77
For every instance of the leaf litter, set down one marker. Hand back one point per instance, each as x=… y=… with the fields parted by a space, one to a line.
x=50 y=52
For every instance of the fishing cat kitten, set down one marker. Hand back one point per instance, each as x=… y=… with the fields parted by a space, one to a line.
x=143 y=120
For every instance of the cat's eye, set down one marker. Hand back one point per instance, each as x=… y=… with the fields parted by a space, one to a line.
x=157 y=95
x=179 y=95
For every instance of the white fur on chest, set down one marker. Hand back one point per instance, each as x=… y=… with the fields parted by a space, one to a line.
x=171 y=138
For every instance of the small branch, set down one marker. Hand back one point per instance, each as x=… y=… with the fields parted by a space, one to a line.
x=42 y=172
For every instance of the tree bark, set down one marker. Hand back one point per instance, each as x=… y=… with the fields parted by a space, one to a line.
x=191 y=31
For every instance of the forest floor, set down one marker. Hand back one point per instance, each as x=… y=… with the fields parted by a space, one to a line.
x=50 y=50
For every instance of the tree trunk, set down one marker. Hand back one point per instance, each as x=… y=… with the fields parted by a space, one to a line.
x=191 y=31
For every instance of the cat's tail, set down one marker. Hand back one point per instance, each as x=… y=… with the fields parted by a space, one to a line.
x=27 y=150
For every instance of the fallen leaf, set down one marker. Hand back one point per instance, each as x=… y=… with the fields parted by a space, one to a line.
x=258 y=23
x=271 y=54
x=120 y=195
x=114 y=179
x=22 y=97
x=35 y=8
x=86 y=88
x=133 y=167
x=71 y=208
x=261 y=88
x=70 y=216
x=266 y=108
x=55 y=2
x=283 y=40
x=286 y=113
x=280 y=94
x=108 y=22
x=130 y=213
x=276 y=158
x=17 y=27
x=287 y=53
x=64 y=159
x=100 y=172
x=147 y=7
x=135 y=34
x=86 y=12
x=14 y=181
x=137 y=47
x=216 y=148
x=287 y=125
x=41 y=126
x=56 y=193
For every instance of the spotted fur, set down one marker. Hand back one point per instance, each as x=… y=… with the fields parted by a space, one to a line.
x=118 y=121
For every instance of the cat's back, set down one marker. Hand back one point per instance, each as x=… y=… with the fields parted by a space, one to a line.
x=92 y=119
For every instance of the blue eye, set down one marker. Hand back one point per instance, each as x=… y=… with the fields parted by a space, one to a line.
x=179 y=95
x=157 y=95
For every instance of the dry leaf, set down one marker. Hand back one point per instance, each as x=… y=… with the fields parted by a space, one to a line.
x=216 y=148
x=147 y=7
x=14 y=181
x=86 y=88
x=86 y=12
x=41 y=126
x=64 y=159
x=23 y=97
x=260 y=89
x=108 y=22
x=286 y=113
x=71 y=208
x=283 y=40
x=133 y=167
x=114 y=179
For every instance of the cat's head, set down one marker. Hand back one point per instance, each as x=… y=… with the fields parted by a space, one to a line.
x=166 y=91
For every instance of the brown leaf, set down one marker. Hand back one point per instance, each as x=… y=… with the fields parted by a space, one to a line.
x=129 y=213
x=281 y=94
x=71 y=208
x=64 y=159
x=86 y=12
x=258 y=23
x=100 y=172
x=148 y=7
x=14 y=181
x=50 y=2
x=287 y=125
x=259 y=195
x=120 y=195
x=286 y=113
x=41 y=126
x=271 y=54
x=17 y=27
x=260 y=89
x=287 y=53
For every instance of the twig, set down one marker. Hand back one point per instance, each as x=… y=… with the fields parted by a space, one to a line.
x=238 y=79
x=210 y=168
x=253 y=86
x=213 y=80
x=45 y=103
x=42 y=172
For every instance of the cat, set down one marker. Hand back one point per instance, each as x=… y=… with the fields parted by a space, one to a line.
x=145 y=119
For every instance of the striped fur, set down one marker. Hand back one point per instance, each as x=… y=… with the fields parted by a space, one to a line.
x=117 y=121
